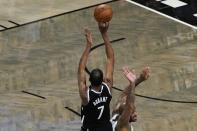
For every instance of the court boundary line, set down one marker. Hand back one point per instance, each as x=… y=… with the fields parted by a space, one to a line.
x=73 y=111
x=143 y=96
x=160 y=99
x=14 y=23
x=162 y=14
x=96 y=46
x=33 y=94
x=57 y=15
x=3 y=27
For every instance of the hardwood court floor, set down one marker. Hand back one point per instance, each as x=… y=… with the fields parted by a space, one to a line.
x=19 y=12
x=38 y=69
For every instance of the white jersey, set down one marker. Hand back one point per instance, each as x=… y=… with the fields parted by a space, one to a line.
x=114 y=122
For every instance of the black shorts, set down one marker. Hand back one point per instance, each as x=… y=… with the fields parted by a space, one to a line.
x=107 y=127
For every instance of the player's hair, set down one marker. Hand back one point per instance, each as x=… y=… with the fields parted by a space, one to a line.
x=96 y=77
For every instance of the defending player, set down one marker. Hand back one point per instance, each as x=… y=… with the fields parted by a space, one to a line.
x=124 y=112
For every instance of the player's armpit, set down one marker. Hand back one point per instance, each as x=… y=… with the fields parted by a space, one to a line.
x=83 y=93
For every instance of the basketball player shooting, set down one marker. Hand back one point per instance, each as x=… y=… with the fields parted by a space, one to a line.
x=95 y=110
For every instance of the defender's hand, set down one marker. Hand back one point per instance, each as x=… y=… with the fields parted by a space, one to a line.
x=130 y=75
x=145 y=73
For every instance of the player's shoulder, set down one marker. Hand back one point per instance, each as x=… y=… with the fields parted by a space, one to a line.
x=106 y=86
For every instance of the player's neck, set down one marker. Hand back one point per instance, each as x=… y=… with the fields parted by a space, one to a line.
x=96 y=88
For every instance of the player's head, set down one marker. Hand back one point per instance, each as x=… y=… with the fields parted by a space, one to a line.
x=132 y=115
x=96 y=77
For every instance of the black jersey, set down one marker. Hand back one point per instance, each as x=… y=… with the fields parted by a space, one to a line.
x=96 y=114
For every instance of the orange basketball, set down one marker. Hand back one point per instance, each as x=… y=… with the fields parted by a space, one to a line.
x=103 y=13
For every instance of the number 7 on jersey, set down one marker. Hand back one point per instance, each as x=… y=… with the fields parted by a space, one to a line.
x=101 y=108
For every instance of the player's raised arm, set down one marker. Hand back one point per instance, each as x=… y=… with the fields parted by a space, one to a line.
x=129 y=108
x=81 y=70
x=103 y=27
